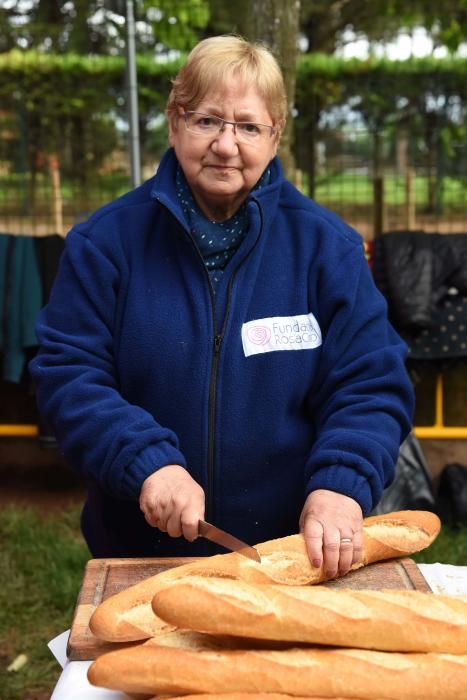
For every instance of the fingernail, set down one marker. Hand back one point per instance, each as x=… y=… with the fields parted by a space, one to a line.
x=316 y=563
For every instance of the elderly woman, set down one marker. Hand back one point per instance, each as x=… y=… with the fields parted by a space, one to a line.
x=214 y=346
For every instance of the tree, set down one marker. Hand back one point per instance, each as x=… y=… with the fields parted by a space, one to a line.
x=323 y=26
x=98 y=26
x=324 y=23
x=275 y=23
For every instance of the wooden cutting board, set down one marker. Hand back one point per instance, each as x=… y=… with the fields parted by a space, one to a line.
x=105 y=577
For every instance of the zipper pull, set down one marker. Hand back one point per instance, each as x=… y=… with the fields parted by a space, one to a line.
x=217 y=343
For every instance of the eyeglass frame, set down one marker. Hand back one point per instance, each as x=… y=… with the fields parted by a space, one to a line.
x=185 y=114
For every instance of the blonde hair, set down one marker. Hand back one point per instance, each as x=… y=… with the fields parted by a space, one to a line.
x=214 y=61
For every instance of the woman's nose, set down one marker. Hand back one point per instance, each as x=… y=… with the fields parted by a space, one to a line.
x=225 y=142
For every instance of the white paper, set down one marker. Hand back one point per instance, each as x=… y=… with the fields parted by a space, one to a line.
x=58 y=647
x=73 y=682
x=445 y=579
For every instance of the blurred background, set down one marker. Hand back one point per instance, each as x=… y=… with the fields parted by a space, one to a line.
x=377 y=132
x=378 y=93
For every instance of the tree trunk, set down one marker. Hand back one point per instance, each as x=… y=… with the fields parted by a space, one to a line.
x=276 y=23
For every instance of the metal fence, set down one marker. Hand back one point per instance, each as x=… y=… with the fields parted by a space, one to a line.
x=410 y=189
x=406 y=189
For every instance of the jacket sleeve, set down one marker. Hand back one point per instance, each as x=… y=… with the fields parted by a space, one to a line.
x=362 y=401
x=100 y=434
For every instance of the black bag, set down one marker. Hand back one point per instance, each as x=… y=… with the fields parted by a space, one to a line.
x=412 y=488
x=452 y=495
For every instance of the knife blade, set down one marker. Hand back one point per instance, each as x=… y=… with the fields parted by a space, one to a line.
x=225 y=539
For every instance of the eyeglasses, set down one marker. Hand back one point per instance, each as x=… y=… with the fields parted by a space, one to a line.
x=208 y=125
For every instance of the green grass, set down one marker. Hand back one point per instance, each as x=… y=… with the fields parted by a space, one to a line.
x=14 y=186
x=344 y=187
x=351 y=188
x=42 y=560
x=450 y=547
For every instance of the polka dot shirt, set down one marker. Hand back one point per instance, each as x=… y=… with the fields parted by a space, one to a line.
x=217 y=241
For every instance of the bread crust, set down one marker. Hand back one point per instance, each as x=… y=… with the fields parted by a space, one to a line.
x=306 y=672
x=251 y=696
x=128 y=616
x=391 y=620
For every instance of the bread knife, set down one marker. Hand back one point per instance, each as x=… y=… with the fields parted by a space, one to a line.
x=215 y=534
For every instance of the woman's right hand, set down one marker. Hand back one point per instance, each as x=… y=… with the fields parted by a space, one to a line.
x=173 y=501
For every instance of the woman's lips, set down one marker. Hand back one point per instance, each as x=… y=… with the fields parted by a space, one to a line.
x=221 y=167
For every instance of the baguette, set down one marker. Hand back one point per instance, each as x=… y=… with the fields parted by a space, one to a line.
x=389 y=620
x=329 y=673
x=252 y=696
x=128 y=616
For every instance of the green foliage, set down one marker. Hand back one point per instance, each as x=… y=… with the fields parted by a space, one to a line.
x=178 y=24
x=56 y=98
x=427 y=94
x=324 y=22
x=358 y=76
x=98 y=26
x=49 y=92
x=52 y=84
x=55 y=84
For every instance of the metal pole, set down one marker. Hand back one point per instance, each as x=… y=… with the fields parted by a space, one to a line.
x=132 y=97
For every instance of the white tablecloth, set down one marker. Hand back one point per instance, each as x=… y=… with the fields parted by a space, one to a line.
x=73 y=684
x=445 y=578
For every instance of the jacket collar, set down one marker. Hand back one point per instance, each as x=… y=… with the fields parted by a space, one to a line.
x=164 y=189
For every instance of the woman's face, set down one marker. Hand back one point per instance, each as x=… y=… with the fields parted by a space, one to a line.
x=220 y=169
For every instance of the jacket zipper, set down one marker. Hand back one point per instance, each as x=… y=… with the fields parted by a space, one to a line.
x=216 y=347
x=209 y=506
x=218 y=337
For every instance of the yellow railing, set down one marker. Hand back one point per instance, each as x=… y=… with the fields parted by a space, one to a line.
x=437 y=431
x=23 y=430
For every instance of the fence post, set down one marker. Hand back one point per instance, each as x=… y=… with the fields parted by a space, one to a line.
x=57 y=202
x=133 y=113
x=378 y=206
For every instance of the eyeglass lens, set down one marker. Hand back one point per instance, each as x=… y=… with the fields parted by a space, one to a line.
x=209 y=125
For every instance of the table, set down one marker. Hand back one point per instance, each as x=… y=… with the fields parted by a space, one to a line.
x=73 y=684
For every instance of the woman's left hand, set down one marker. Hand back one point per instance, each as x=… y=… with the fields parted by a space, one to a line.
x=332 y=526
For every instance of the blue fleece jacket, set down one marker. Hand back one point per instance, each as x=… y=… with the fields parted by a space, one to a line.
x=288 y=379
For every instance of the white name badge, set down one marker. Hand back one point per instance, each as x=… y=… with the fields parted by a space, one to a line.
x=281 y=333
